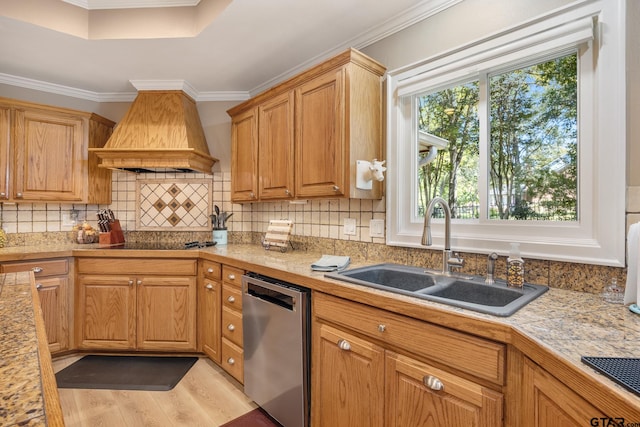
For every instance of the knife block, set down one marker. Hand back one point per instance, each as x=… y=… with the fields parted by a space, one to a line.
x=113 y=237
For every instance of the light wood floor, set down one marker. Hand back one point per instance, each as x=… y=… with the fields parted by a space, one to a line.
x=206 y=396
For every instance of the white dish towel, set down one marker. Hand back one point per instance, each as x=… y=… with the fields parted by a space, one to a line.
x=331 y=263
x=632 y=290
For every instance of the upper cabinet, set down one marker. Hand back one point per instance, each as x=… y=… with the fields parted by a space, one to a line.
x=45 y=154
x=302 y=138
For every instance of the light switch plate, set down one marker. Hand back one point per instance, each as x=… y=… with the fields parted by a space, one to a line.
x=349 y=226
x=376 y=228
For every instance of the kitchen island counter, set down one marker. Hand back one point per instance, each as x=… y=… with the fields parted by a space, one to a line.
x=28 y=395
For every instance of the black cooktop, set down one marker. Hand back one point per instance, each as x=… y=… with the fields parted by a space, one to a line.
x=162 y=246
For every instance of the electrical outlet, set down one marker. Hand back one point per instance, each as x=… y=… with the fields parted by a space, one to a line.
x=376 y=228
x=349 y=227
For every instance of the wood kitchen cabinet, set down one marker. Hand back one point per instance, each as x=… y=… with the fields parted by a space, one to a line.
x=209 y=308
x=232 y=333
x=547 y=402
x=441 y=377
x=52 y=283
x=45 y=155
x=152 y=307
x=308 y=132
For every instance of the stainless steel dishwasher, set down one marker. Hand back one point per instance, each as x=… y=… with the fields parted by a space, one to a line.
x=275 y=320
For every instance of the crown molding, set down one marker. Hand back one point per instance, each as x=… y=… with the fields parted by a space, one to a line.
x=127 y=4
x=397 y=23
x=393 y=25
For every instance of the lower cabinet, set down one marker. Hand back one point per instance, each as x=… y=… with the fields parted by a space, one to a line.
x=232 y=359
x=53 y=283
x=547 y=402
x=358 y=378
x=209 y=308
x=152 y=308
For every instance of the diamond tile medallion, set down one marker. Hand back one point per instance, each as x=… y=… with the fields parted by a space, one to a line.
x=170 y=204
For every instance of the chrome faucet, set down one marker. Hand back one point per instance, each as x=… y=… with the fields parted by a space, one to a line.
x=448 y=262
x=491 y=268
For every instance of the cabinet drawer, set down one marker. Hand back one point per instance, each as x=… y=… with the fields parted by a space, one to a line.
x=150 y=266
x=476 y=356
x=49 y=267
x=212 y=270
x=233 y=359
x=232 y=325
x=232 y=275
x=232 y=297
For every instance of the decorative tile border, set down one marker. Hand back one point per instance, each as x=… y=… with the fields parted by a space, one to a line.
x=173 y=204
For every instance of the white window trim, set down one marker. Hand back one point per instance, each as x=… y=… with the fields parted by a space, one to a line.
x=598 y=237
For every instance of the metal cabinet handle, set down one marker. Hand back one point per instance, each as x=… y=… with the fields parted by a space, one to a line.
x=209 y=286
x=130 y=282
x=209 y=270
x=19 y=195
x=38 y=286
x=231 y=361
x=232 y=277
x=344 y=345
x=287 y=192
x=231 y=327
x=231 y=299
x=252 y=195
x=433 y=383
x=3 y=195
x=37 y=269
x=336 y=188
x=139 y=282
x=382 y=328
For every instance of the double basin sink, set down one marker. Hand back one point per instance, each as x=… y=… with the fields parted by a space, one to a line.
x=470 y=292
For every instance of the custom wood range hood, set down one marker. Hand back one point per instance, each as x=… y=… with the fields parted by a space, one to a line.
x=161 y=132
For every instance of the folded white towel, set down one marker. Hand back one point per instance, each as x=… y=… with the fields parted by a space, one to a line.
x=632 y=290
x=331 y=263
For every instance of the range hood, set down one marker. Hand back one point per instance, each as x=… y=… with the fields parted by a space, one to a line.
x=161 y=132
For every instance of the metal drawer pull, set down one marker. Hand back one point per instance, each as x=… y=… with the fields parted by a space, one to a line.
x=38 y=286
x=231 y=299
x=130 y=282
x=231 y=361
x=336 y=188
x=232 y=277
x=209 y=286
x=382 y=328
x=209 y=270
x=231 y=327
x=37 y=269
x=433 y=383
x=344 y=345
x=19 y=195
x=139 y=282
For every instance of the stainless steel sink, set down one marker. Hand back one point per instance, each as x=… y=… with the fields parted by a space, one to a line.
x=468 y=292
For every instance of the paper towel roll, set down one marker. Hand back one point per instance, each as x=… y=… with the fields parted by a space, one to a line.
x=632 y=289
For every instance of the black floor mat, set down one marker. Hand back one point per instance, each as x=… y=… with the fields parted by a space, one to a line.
x=125 y=372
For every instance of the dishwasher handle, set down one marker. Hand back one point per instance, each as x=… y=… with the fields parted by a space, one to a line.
x=273 y=294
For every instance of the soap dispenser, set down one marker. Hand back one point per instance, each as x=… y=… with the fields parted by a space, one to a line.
x=515 y=267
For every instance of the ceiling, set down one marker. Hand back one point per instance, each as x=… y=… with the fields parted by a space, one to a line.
x=249 y=46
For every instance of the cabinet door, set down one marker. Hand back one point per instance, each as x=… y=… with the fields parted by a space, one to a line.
x=166 y=313
x=53 y=295
x=549 y=403
x=347 y=380
x=49 y=156
x=413 y=397
x=209 y=300
x=321 y=157
x=5 y=156
x=244 y=157
x=275 y=134
x=106 y=312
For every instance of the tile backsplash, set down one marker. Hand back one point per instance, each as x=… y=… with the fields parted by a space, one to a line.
x=318 y=226
x=313 y=218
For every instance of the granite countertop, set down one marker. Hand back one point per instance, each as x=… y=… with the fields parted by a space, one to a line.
x=22 y=395
x=554 y=330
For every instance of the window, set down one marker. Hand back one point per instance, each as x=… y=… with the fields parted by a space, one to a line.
x=523 y=135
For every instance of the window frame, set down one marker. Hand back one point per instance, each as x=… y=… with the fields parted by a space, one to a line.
x=598 y=237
